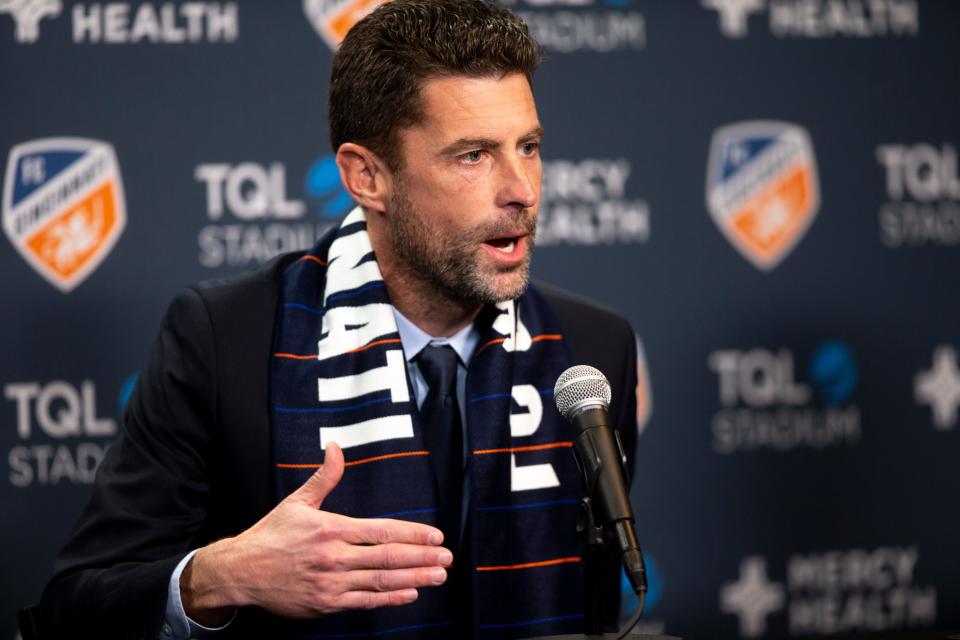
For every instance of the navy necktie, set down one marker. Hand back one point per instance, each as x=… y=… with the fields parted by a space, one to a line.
x=443 y=434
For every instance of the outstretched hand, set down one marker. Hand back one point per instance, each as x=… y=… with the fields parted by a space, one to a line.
x=301 y=562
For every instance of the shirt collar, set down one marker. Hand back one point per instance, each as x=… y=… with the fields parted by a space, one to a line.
x=414 y=339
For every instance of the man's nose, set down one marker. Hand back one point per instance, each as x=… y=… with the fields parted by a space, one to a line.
x=520 y=183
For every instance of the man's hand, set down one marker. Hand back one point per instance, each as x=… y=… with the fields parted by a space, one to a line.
x=300 y=562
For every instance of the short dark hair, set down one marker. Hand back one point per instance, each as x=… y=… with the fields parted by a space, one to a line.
x=385 y=58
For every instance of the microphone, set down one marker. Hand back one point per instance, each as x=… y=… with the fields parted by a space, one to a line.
x=582 y=395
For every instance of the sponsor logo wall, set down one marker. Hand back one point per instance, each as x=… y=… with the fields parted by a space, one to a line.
x=63 y=206
x=61 y=434
x=939 y=387
x=585 y=202
x=765 y=407
x=128 y=23
x=762 y=188
x=922 y=206
x=333 y=18
x=252 y=218
x=830 y=592
x=819 y=18
x=767 y=189
x=582 y=26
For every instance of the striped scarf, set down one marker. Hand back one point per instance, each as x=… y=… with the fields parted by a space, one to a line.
x=339 y=374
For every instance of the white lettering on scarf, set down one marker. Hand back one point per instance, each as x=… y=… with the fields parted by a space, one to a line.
x=534 y=476
x=349 y=328
x=509 y=324
x=375 y=430
x=346 y=272
x=391 y=376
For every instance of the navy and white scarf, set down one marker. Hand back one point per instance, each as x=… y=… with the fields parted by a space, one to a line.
x=338 y=374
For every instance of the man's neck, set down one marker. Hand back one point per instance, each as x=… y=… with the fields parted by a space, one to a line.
x=426 y=306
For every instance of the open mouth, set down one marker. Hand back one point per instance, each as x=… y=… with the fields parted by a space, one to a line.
x=506 y=245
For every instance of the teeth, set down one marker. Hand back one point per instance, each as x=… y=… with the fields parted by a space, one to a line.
x=508 y=248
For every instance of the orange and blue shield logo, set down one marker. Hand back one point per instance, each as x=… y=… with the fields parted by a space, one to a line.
x=333 y=18
x=63 y=206
x=762 y=188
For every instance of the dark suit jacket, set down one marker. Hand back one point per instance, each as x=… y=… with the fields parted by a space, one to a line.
x=192 y=463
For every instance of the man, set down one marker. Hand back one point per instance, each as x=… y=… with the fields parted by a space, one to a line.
x=406 y=342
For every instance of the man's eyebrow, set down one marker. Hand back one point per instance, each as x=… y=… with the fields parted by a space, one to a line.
x=536 y=132
x=466 y=144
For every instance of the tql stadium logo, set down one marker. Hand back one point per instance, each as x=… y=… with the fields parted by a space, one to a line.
x=63 y=206
x=583 y=26
x=254 y=214
x=762 y=188
x=765 y=405
x=922 y=207
x=333 y=18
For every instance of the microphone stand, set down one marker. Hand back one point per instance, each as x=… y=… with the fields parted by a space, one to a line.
x=590 y=534
x=591 y=542
x=582 y=394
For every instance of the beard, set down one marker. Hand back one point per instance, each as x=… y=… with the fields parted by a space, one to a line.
x=453 y=262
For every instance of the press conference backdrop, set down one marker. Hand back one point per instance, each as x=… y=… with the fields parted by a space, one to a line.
x=767 y=189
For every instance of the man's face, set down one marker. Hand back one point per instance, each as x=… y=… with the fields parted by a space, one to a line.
x=464 y=206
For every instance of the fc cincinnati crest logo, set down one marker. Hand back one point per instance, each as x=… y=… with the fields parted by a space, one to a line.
x=333 y=18
x=762 y=188
x=63 y=206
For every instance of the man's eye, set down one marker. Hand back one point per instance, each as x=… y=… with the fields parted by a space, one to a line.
x=530 y=148
x=473 y=156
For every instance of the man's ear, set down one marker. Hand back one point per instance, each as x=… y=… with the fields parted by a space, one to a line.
x=365 y=176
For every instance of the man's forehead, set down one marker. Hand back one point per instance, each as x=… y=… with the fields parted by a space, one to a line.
x=455 y=105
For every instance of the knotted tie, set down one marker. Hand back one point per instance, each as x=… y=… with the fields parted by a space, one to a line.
x=443 y=434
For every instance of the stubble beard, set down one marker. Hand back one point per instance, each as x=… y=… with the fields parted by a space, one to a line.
x=452 y=264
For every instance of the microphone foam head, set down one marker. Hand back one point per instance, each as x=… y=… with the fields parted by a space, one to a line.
x=580 y=387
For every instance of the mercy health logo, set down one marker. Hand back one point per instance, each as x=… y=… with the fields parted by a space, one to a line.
x=130 y=23
x=752 y=597
x=764 y=406
x=831 y=592
x=27 y=15
x=568 y=26
x=252 y=218
x=584 y=202
x=819 y=18
x=62 y=439
x=923 y=195
x=331 y=19
x=939 y=387
x=63 y=206
x=762 y=188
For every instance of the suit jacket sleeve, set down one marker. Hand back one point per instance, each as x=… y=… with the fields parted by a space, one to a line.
x=150 y=496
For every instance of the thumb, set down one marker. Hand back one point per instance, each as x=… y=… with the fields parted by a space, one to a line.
x=318 y=486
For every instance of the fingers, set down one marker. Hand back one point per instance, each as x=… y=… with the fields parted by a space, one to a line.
x=384 y=580
x=396 y=556
x=375 y=599
x=318 y=486
x=386 y=530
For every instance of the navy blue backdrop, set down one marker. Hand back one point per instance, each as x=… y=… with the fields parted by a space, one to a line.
x=767 y=189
